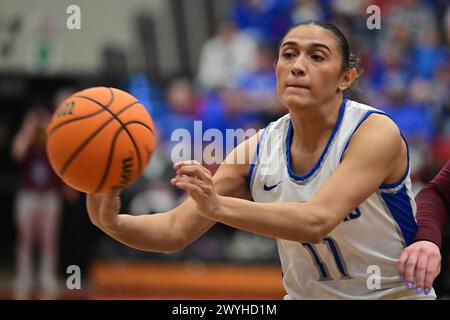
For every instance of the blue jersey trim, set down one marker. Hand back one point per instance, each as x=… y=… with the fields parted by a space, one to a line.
x=366 y=115
x=399 y=204
x=322 y=156
x=402 y=179
x=387 y=185
x=255 y=156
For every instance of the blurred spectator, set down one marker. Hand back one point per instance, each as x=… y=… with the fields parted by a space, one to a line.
x=429 y=56
x=225 y=109
x=37 y=206
x=390 y=70
x=264 y=19
x=181 y=110
x=410 y=115
x=446 y=25
x=305 y=10
x=258 y=87
x=414 y=121
x=348 y=9
x=224 y=56
x=415 y=16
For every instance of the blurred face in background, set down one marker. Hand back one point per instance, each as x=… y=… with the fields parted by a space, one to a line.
x=180 y=96
x=226 y=30
x=309 y=67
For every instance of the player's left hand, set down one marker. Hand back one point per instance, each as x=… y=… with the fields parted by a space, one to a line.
x=420 y=263
x=197 y=181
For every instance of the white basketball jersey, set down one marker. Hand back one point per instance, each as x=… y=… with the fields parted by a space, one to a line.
x=358 y=259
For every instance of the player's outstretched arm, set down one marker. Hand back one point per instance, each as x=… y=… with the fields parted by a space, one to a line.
x=375 y=155
x=22 y=140
x=175 y=229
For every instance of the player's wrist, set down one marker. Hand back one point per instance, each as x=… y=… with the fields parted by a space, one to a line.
x=112 y=225
x=216 y=210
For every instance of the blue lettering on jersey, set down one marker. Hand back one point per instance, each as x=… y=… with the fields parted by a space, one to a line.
x=353 y=215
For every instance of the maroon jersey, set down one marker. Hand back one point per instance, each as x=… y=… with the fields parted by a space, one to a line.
x=433 y=207
x=36 y=172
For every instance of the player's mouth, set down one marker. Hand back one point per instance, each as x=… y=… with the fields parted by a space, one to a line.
x=298 y=85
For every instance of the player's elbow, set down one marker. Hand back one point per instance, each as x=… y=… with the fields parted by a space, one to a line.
x=316 y=236
x=320 y=226
x=312 y=232
x=178 y=244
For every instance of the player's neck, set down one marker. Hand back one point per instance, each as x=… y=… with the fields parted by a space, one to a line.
x=313 y=126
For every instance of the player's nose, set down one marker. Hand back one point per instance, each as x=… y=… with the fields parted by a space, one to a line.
x=299 y=67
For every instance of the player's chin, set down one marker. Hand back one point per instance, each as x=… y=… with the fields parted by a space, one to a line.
x=297 y=101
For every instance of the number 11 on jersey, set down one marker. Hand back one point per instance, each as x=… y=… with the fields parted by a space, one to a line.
x=322 y=268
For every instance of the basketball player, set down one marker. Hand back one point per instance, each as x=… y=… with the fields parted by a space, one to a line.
x=330 y=181
x=37 y=208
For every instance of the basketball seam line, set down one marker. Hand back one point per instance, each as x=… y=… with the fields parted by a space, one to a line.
x=121 y=123
x=92 y=136
x=75 y=119
x=82 y=117
x=111 y=153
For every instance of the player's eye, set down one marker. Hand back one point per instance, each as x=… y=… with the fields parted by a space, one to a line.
x=288 y=55
x=317 y=57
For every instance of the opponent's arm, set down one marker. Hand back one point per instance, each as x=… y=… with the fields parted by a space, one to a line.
x=375 y=155
x=175 y=229
x=24 y=137
x=421 y=261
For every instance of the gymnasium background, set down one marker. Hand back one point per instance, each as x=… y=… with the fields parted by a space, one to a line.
x=208 y=60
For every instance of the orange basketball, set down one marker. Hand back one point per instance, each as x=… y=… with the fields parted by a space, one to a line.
x=100 y=139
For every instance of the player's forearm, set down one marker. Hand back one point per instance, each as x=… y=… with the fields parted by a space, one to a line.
x=290 y=221
x=146 y=232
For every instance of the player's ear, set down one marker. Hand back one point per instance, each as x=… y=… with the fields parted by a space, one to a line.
x=347 y=78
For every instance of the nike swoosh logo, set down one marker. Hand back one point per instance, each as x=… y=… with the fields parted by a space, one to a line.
x=268 y=188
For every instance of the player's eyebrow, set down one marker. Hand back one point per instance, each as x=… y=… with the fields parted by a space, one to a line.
x=314 y=44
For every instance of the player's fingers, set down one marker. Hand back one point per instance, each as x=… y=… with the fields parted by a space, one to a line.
x=410 y=268
x=195 y=164
x=419 y=273
x=401 y=264
x=432 y=271
x=187 y=163
x=195 y=171
x=191 y=170
x=184 y=163
x=205 y=187
x=193 y=190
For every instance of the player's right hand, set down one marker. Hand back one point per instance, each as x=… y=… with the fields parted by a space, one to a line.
x=103 y=209
x=420 y=263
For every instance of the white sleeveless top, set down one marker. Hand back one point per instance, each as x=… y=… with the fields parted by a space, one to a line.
x=358 y=259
